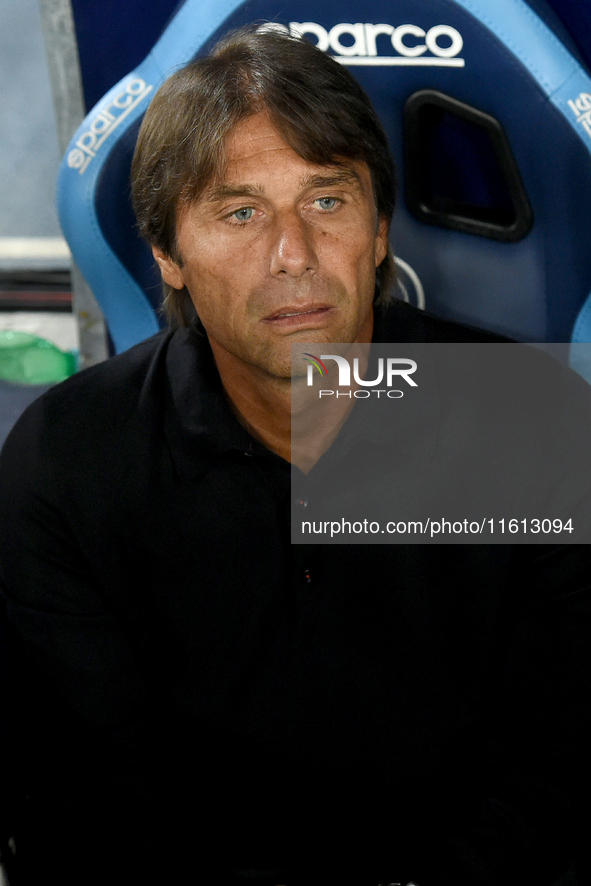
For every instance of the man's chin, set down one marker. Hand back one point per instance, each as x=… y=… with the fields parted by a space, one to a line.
x=293 y=355
x=307 y=356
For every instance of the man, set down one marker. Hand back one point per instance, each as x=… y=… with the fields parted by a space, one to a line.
x=214 y=704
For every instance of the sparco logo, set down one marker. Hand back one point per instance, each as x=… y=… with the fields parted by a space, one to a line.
x=395 y=368
x=103 y=124
x=581 y=107
x=369 y=44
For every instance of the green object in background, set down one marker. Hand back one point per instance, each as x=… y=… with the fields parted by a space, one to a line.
x=31 y=360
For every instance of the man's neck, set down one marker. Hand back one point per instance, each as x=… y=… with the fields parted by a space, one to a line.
x=283 y=414
x=262 y=404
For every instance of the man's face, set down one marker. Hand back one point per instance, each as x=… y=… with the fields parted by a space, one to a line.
x=279 y=251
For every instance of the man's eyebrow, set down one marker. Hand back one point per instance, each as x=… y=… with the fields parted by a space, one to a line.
x=225 y=192
x=341 y=176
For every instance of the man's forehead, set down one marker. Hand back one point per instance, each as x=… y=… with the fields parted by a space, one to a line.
x=255 y=148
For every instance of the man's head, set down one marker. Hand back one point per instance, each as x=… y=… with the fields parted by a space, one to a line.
x=263 y=97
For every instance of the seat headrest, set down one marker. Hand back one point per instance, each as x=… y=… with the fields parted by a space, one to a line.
x=502 y=126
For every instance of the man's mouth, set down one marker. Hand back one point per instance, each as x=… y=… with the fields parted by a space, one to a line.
x=306 y=315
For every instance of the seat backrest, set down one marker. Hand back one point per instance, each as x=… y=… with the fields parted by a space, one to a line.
x=488 y=110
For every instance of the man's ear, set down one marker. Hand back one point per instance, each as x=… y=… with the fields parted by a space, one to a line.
x=381 y=240
x=171 y=273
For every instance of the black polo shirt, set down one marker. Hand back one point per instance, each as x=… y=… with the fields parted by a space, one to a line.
x=211 y=695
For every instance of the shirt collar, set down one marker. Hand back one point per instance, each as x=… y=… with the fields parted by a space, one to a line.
x=408 y=425
x=200 y=425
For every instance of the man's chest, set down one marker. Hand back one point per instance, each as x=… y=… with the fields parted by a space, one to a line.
x=322 y=645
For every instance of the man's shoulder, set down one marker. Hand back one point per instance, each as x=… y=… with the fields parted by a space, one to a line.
x=92 y=408
x=108 y=387
x=402 y=322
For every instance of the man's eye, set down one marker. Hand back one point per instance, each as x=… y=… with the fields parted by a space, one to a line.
x=244 y=214
x=326 y=202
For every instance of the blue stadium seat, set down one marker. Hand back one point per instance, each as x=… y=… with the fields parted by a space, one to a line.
x=488 y=110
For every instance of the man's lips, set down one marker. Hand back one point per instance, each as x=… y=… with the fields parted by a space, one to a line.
x=299 y=315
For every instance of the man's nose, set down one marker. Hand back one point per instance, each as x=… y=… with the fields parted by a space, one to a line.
x=293 y=249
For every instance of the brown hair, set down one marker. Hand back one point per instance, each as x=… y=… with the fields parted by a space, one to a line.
x=314 y=102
